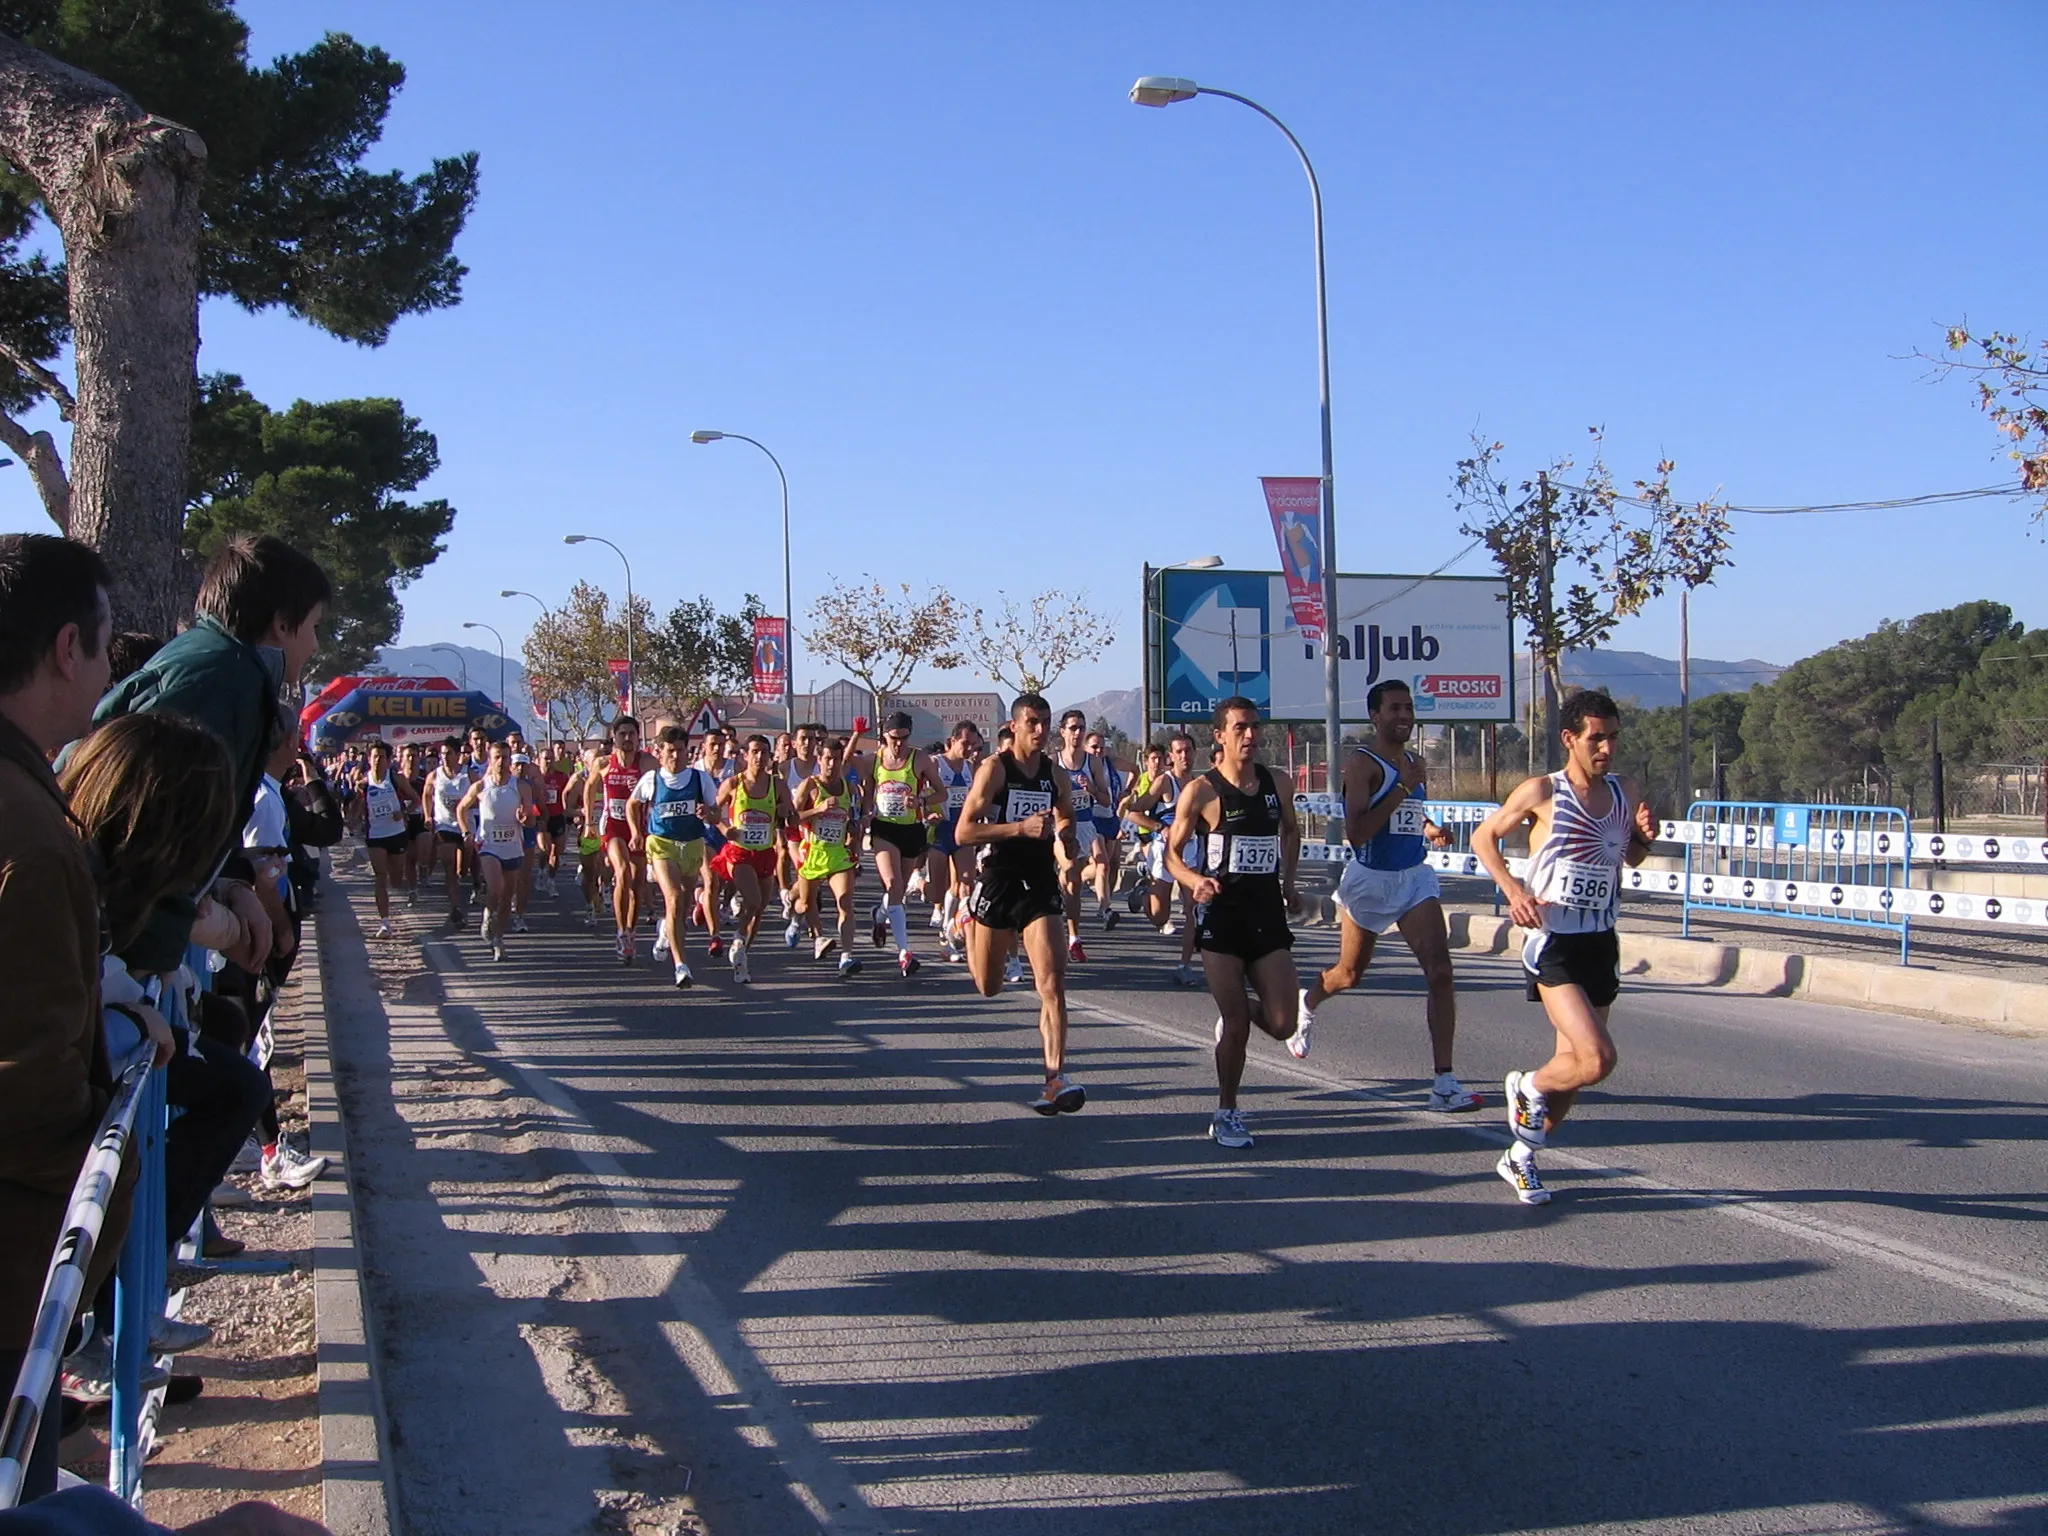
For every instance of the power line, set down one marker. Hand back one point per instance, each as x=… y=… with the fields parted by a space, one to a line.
x=1886 y=504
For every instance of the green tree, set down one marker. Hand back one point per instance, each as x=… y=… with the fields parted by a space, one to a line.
x=572 y=649
x=326 y=478
x=1580 y=555
x=173 y=168
x=699 y=652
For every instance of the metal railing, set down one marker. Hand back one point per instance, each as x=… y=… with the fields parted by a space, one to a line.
x=64 y=1287
x=1844 y=864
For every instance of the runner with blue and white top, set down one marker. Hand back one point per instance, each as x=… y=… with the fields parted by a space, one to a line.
x=1109 y=827
x=1389 y=883
x=1151 y=810
x=1584 y=824
x=949 y=868
x=665 y=812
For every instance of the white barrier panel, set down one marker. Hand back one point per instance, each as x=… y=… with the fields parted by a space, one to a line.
x=1960 y=848
x=1452 y=813
x=1892 y=900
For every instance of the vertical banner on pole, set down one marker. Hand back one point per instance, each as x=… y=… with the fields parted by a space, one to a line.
x=771 y=660
x=622 y=678
x=1296 y=505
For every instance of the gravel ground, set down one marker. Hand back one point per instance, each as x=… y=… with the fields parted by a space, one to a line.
x=254 y=1433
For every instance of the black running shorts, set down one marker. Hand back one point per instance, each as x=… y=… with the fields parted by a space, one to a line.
x=1014 y=900
x=396 y=843
x=1247 y=931
x=906 y=837
x=1589 y=961
x=556 y=823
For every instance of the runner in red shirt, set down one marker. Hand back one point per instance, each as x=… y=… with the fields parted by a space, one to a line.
x=606 y=794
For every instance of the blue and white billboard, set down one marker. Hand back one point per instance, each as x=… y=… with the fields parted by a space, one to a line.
x=1449 y=638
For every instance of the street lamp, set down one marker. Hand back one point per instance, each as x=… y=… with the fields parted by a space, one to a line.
x=705 y=435
x=1149 y=609
x=461 y=661
x=1164 y=91
x=547 y=708
x=592 y=538
x=471 y=624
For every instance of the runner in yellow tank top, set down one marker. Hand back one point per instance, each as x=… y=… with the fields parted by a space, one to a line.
x=825 y=809
x=906 y=790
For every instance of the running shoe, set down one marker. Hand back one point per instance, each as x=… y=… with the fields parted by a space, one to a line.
x=1226 y=1129
x=519 y=922
x=1075 y=953
x=1451 y=1096
x=661 y=940
x=498 y=949
x=173 y=1336
x=716 y=947
x=386 y=931
x=908 y=964
x=1135 y=902
x=822 y=946
x=938 y=919
x=484 y=929
x=1185 y=975
x=1304 y=1021
x=87 y=1375
x=1013 y=970
x=1522 y=1177
x=879 y=931
x=849 y=965
x=286 y=1167
x=1168 y=929
x=739 y=962
x=952 y=951
x=683 y=976
x=456 y=919
x=793 y=935
x=1527 y=1109
x=625 y=949
x=1110 y=918
x=412 y=899
x=1060 y=1096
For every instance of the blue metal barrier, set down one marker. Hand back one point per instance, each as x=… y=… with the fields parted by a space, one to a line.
x=1813 y=863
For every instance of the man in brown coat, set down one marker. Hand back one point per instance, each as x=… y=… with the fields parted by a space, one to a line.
x=54 y=1078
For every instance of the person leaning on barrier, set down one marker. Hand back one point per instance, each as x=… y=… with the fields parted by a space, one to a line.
x=55 y=1081
x=259 y=608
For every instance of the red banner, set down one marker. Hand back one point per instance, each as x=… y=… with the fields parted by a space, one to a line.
x=771 y=660
x=1296 y=503
x=622 y=675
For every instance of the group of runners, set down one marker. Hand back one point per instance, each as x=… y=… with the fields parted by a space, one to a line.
x=1006 y=846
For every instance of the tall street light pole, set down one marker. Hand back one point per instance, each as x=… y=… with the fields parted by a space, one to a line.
x=632 y=682
x=788 y=616
x=1164 y=91
x=461 y=662
x=472 y=624
x=547 y=708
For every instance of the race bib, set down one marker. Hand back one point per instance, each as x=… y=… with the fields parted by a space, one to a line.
x=1586 y=887
x=955 y=798
x=1246 y=855
x=830 y=828
x=754 y=830
x=1407 y=820
x=1084 y=796
x=892 y=800
x=1023 y=804
x=554 y=796
x=614 y=810
x=498 y=837
x=678 y=808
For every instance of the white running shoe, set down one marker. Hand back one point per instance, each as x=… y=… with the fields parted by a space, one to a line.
x=1226 y=1128
x=1527 y=1109
x=289 y=1168
x=683 y=976
x=1013 y=970
x=822 y=946
x=938 y=919
x=1451 y=1096
x=908 y=964
x=1060 y=1096
x=625 y=948
x=739 y=962
x=849 y=965
x=1522 y=1177
x=497 y=949
x=661 y=939
x=1185 y=975
x=1304 y=1021
x=793 y=935
x=1167 y=929
x=386 y=931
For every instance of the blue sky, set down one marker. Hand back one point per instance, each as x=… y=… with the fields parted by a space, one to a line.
x=1006 y=330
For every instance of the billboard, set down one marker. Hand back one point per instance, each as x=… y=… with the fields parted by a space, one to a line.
x=1448 y=638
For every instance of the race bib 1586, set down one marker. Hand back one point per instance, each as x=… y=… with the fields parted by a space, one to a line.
x=1587 y=887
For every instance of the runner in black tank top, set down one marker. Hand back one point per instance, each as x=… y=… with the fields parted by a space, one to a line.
x=1243 y=813
x=1019 y=804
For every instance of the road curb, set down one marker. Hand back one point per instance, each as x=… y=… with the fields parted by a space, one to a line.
x=2014 y=1007
x=355 y=1491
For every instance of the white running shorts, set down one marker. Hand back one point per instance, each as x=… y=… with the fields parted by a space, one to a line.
x=1376 y=899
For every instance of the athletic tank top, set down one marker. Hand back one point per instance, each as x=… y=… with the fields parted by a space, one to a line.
x=1105 y=815
x=1081 y=783
x=1576 y=874
x=386 y=816
x=618 y=789
x=1021 y=796
x=498 y=819
x=1169 y=789
x=796 y=773
x=753 y=820
x=449 y=789
x=831 y=827
x=672 y=810
x=1399 y=844
x=1243 y=854
x=956 y=783
x=896 y=793
x=555 y=782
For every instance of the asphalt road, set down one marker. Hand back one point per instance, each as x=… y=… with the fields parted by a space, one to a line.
x=796 y=1258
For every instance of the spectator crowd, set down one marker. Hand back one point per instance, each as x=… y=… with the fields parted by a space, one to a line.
x=153 y=794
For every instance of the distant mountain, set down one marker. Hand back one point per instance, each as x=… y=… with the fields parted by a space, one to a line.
x=1652 y=681
x=479 y=668
x=1119 y=706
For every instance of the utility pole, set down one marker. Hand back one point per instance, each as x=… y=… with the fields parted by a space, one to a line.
x=1685 y=785
x=1547 y=629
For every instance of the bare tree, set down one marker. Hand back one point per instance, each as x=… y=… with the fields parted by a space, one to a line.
x=122 y=187
x=2011 y=375
x=1029 y=648
x=882 y=633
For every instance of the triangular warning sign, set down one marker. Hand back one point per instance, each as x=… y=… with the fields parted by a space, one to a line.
x=707 y=718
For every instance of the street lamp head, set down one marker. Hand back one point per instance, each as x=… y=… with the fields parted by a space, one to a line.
x=575 y=538
x=1163 y=90
x=468 y=624
x=705 y=436
x=1203 y=563
x=511 y=592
